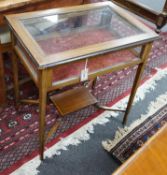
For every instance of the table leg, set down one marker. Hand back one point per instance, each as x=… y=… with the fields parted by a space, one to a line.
x=15 y=76
x=144 y=55
x=42 y=109
x=2 y=82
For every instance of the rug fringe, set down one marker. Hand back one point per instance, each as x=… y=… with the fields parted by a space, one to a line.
x=122 y=132
x=83 y=134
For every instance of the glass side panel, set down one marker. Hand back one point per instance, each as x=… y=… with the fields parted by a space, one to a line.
x=62 y=32
x=72 y=70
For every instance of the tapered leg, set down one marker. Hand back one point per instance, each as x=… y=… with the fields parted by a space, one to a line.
x=15 y=76
x=2 y=82
x=144 y=55
x=42 y=109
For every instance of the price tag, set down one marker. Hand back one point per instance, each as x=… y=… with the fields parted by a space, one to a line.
x=84 y=75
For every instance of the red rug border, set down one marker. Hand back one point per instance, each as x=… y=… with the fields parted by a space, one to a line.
x=18 y=164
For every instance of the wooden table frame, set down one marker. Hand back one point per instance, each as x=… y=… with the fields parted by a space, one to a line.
x=3 y=49
x=159 y=19
x=26 y=49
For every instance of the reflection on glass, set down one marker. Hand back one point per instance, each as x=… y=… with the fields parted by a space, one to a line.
x=72 y=70
x=62 y=32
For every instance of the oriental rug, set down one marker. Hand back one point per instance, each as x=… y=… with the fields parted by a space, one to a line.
x=62 y=157
x=19 y=126
x=133 y=137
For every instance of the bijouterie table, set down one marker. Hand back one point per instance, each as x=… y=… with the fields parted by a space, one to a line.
x=66 y=46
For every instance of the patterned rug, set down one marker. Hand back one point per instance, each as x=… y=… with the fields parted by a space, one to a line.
x=134 y=139
x=19 y=128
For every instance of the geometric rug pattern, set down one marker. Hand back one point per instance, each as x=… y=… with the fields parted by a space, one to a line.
x=19 y=127
x=139 y=135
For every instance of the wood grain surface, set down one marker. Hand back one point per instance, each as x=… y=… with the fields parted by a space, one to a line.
x=151 y=159
x=73 y=100
x=9 y=4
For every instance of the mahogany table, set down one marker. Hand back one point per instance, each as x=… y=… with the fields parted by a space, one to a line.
x=65 y=46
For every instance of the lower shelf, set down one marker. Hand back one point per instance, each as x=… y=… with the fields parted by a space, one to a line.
x=73 y=100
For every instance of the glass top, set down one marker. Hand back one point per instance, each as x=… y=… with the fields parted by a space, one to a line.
x=67 y=31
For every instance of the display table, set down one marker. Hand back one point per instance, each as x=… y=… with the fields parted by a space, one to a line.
x=66 y=46
x=18 y=6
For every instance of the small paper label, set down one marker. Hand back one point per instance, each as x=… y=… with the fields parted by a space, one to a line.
x=84 y=75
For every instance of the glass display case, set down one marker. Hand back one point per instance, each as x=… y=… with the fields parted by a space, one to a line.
x=62 y=47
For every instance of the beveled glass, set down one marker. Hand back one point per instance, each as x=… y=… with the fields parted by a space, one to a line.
x=62 y=32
